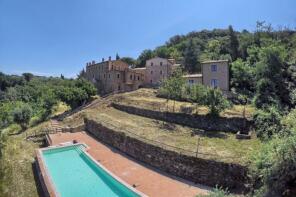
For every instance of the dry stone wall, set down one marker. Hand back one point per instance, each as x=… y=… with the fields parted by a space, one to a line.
x=198 y=170
x=208 y=123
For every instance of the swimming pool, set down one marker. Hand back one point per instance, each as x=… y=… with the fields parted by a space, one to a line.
x=73 y=173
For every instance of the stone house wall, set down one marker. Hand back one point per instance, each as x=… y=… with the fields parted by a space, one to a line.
x=221 y=74
x=193 y=79
x=104 y=74
x=157 y=69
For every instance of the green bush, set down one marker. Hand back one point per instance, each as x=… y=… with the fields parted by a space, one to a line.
x=293 y=97
x=265 y=94
x=49 y=101
x=215 y=101
x=22 y=115
x=76 y=94
x=198 y=93
x=274 y=168
x=267 y=122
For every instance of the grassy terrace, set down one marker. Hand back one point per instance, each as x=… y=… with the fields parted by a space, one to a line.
x=224 y=146
x=18 y=153
x=220 y=145
x=146 y=98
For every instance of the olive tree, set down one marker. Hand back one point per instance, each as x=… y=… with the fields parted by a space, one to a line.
x=22 y=115
x=215 y=101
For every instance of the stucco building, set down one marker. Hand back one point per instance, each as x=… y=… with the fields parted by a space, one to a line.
x=117 y=76
x=214 y=73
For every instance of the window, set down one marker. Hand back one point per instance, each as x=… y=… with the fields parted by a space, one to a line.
x=161 y=63
x=161 y=72
x=104 y=76
x=118 y=75
x=134 y=77
x=150 y=81
x=151 y=63
x=118 y=87
x=131 y=77
x=214 y=83
x=213 y=68
x=109 y=76
x=151 y=72
x=191 y=81
x=138 y=78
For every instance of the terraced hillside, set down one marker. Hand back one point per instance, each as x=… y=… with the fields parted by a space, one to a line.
x=218 y=145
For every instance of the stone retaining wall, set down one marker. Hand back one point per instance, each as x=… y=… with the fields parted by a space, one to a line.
x=208 y=123
x=198 y=170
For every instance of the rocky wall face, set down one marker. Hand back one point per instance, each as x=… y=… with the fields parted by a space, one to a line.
x=197 y=170
x=199 y=121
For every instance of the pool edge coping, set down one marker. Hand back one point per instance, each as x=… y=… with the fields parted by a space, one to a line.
x=50 y=187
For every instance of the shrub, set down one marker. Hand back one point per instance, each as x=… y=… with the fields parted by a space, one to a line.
x=22 y=115
x=293 y=97
x=267 y=122
x=49 y=100
x=215 y=101
x=76 y=96
x=288 y=122
x=198 y=93
x=274 y=168
x=242 y=76
x=265 y=94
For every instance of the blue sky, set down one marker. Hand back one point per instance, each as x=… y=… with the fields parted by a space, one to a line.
x=50 y=37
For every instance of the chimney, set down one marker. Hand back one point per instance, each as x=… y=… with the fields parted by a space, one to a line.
x=86 y=64
x=109 y=58
x=103 y=60
x=93 y=62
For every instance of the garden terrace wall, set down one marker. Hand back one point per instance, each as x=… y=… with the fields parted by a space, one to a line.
x=197 y=170
x=204 y=122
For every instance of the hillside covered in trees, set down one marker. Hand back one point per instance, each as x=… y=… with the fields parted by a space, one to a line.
x=25 y=97
x=262 y=73
x=267 y=53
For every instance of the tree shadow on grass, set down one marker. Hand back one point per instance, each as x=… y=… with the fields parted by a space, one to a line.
x=165 y=125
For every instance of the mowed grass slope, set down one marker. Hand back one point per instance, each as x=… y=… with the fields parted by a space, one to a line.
x=147 y=99
x=219 y=146
x=16 y=162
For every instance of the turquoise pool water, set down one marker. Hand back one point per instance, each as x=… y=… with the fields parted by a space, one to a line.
x=74 y=174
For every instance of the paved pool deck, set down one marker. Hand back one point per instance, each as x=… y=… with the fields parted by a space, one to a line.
x=146 y=179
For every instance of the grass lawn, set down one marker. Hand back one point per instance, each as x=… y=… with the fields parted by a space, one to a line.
x=212 y=145
x=146 y=98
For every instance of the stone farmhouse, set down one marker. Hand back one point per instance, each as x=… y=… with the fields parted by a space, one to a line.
x=113 y=76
